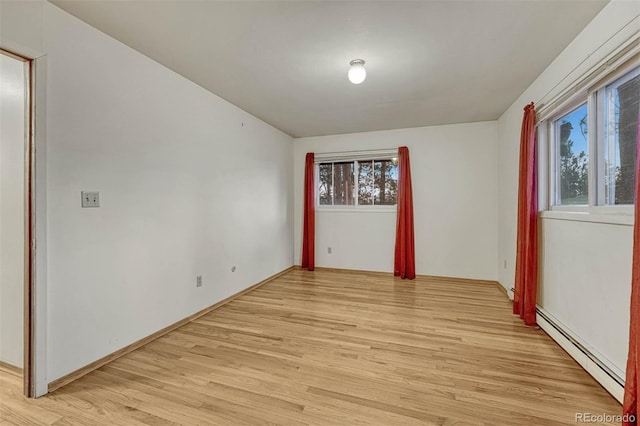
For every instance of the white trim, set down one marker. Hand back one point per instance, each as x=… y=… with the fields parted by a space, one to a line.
x=607 y=210
x=544 y=160
x=359 y=209
x=585 y=81
x=592 y=150
x=617 y=74
x=589 y=216
x=598 y=150
x=39 y=307
x=316 y=183
x=38 y=92
x=592 y=367
x=376 y=154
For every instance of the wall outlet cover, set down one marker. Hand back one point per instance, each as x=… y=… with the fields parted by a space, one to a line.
x=90 y=199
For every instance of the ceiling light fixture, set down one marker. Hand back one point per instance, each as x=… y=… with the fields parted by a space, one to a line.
x=357 y=73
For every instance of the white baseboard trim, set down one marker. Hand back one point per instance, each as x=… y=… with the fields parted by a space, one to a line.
x=609 y=379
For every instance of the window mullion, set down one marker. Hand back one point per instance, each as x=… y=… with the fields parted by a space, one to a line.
x=596 y=189
x=554 y=165
x=542 y=148
x=333 y=185
x=373 y=183
x=551 y=163
x=316 y=178
x=609 y=147
x=355 y=183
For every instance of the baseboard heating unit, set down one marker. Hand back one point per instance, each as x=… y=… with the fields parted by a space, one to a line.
x=610 y=377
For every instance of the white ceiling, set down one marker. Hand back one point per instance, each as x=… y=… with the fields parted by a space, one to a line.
x=286 y=62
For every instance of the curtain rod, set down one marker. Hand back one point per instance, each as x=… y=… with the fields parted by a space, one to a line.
x=356 y=155
x=358 y=152
x=634 y=35
x=626 y=56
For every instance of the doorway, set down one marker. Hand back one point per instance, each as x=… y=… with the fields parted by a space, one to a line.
x=15 y=219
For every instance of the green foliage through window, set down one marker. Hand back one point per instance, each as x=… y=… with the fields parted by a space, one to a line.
x=358 y=183
x=606 y=127
x=574 y=157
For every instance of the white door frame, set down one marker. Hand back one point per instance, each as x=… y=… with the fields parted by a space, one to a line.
x=35 y=300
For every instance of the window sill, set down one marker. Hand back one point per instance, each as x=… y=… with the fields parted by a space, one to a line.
x=586 y=216
x=356 y=210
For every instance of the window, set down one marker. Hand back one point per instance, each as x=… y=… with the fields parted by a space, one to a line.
x=358 y=183
x=572 y=171
x=593 y=145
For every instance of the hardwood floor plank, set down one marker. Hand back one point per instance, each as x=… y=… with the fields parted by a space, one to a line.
x=332 y=348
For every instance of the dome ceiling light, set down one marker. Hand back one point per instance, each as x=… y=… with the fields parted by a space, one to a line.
x=357 y=73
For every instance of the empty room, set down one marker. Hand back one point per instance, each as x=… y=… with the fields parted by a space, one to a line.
x=319 y=212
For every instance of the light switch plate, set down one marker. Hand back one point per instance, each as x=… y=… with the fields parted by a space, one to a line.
x=90 y=199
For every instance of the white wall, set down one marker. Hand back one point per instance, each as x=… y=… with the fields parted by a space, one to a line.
x=21 y=26
x=12 y=198
x=589 y=259
x=455 y=203
x=189 y=185
x=581 y=260
x=124 y=270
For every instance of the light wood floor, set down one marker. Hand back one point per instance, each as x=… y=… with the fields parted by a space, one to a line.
x=334 y=348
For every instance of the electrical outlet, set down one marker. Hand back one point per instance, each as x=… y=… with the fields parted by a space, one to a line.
x=329 y=250
x=199 y=281
x=90 y=199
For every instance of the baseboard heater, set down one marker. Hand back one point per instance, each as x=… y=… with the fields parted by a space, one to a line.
x=599 y=370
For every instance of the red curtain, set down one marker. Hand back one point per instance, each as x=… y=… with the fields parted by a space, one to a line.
x=526 y=281
x=404 y=262
x=309 y=225
x=630 y=406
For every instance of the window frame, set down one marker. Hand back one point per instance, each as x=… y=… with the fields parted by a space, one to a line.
x=356 y=207
x=595 y=100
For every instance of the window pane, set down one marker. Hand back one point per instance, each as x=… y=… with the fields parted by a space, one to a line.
x=343 y=184
x=573 y=167
x=385 y=182
x=365 y=183
x=324 y=186
x=621 y=133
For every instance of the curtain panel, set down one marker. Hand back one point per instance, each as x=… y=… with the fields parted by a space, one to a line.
x=526 y=279
x=404 y=261
x=309 y=223
x=630 y=405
